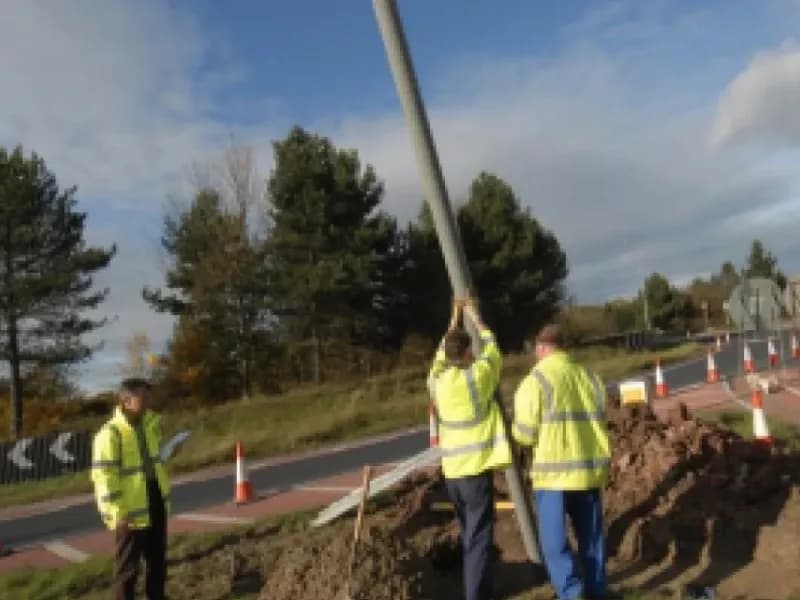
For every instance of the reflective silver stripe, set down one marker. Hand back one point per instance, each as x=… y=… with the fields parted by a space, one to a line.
x=570 y=465
x=111 y=496
x=474 y=399
x=547 y=389
x=599 y=394
x=102 y=464
x=573 y=416
x=469 y=448
x=528 y=430
x=132 y=514
x=131 y=470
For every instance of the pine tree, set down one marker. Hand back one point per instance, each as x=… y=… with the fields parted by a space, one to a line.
x=332 y=252
x=46 y=272
x=219 y=288
x=518 y=267
x=762 y=263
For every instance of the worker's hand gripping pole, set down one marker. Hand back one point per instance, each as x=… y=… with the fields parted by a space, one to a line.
x=445 y=223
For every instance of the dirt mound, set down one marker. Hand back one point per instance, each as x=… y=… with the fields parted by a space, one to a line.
x=686 y=502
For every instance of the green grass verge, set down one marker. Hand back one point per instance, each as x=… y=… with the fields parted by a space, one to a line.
x=742 y=423
x=309 y=418
x=92 y=580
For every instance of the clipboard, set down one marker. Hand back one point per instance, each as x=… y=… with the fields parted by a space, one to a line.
x=168 y=449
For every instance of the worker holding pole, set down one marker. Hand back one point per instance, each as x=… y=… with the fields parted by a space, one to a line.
x=560 y=411
x=471 y=439
x=444 y=221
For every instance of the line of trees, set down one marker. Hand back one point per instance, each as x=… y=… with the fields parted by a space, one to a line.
x=323 y=282
x=671 y=308
x=301 y=278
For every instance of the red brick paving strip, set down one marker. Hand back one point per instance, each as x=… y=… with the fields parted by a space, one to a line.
x=269 y=504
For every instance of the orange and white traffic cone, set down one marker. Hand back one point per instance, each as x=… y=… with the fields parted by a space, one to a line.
x=244 y=489
x=772 y=353
x=795 y=347
x=760 y=427
x=661 y=386
x=711 y=371
x=748 y=359
x=433 y=427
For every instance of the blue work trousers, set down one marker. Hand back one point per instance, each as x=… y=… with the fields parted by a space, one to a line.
x=585 y=510
x=473 y=498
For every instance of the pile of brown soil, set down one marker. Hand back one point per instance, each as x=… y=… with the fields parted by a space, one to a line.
x=687 y=502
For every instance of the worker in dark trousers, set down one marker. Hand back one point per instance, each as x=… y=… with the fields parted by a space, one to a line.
x=132 y=490
x=560 y=411
x=471 y=438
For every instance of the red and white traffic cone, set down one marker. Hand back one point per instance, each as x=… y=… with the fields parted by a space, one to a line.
x=661 y=386
x=244 y=489
x=795 y=346
x=711 y=371
x=772 y=353
x=748 y=359
x=433 y=427
x=760 y=427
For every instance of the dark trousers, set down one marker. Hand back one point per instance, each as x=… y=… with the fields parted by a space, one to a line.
x=150 y=543
x=473 y=498
x=585 y=511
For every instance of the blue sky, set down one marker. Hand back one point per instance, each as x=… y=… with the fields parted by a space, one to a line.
x=650 y=136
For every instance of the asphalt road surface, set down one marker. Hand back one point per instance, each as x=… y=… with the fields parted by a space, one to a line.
x=193 y=495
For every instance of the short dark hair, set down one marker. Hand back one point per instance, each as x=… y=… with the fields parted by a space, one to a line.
x=456 y=343
x=135 y=385
x=552 y=335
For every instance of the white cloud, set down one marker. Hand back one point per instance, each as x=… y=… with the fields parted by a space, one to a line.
x=114 y=94
x=629 y=188
x=605 y=139
x=761 y=103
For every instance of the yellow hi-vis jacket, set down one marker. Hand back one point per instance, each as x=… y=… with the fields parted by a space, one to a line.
x=471 y=435
x=560 y=410
x=118 y=473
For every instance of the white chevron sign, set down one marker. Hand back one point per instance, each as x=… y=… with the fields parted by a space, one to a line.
x=17 y=454
x=58 y=449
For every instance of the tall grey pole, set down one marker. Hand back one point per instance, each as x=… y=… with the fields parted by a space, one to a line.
x=446 y=227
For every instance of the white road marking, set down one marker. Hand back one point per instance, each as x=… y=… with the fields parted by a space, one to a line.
x=327 y=488
x=222 y=519
x=65 y=551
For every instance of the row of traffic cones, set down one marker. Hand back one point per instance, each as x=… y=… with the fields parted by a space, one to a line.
x=712 y=372
x=773 y=357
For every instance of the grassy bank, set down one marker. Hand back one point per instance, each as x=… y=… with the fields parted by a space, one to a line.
x=310 y=418
x=742 y=423
x=92 y=580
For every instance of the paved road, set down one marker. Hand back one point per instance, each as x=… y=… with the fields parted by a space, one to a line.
x=193 y=495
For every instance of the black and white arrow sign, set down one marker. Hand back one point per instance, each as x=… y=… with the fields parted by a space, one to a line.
x=58 y=448
x=50 y=455
x=17 y=454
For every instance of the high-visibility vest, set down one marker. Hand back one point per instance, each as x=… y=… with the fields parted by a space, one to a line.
x=471 y=435
x=118 y=475
x=560 y=410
